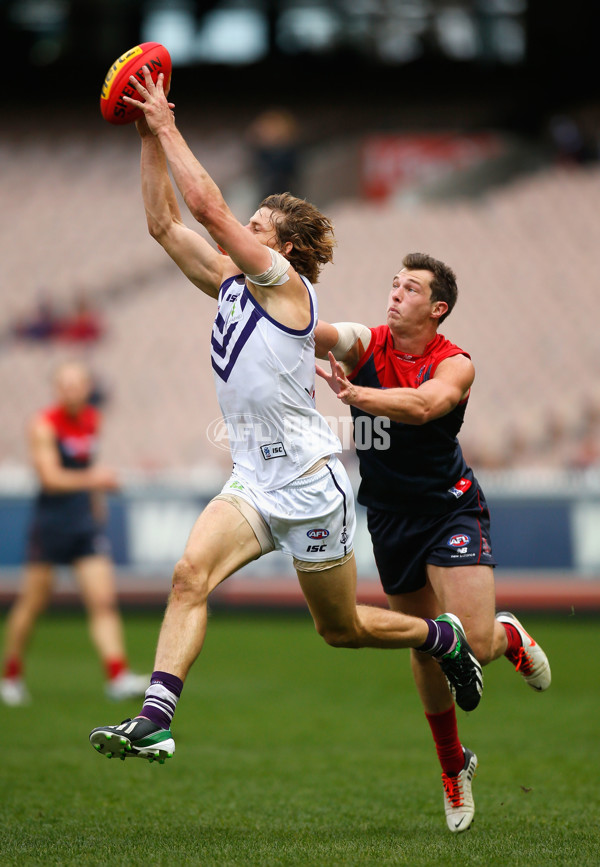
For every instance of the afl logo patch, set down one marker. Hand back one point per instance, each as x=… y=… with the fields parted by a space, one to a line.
x=459 y=540
x=317 y=534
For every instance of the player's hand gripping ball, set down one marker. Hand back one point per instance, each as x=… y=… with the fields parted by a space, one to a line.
x=117 y=85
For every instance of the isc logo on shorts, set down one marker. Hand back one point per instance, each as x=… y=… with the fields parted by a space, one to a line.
x=458 y=540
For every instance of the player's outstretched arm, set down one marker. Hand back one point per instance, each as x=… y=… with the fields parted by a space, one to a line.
x=433 y=399
x=56 y=479
x=198 y=260
x=201 y=194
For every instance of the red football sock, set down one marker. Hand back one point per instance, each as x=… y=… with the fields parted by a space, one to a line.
x=512 y=652
x=13 y=667
x=115 y=667
x=447 y=743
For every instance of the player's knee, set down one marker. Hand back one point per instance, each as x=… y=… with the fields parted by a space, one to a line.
x=103 y=604
x=339 y=636
x=189 y=581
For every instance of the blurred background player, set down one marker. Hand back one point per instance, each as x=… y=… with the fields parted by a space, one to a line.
x=427 y=516
x=66 y=528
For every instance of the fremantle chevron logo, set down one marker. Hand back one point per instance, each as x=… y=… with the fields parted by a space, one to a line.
x=229 y=336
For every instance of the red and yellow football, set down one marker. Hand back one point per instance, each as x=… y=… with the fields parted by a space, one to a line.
x=117 y=85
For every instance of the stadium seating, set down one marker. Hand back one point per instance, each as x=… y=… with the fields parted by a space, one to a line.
x=527 y=256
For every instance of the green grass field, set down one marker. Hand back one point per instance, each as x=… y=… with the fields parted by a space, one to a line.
x=291 y=752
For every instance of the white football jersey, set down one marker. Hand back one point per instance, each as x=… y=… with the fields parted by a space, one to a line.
x=265 y=380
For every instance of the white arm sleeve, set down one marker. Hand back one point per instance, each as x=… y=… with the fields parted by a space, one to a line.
x=273 y=276
x=348 y=334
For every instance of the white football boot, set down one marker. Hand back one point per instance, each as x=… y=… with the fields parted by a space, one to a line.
x=458 y=797
x=531 y=661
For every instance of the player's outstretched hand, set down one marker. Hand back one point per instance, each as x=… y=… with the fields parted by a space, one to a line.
x=157 y=111
x=337 y=380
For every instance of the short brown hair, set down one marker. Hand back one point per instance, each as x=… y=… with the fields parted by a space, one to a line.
x=443 y=285
x=310 y=232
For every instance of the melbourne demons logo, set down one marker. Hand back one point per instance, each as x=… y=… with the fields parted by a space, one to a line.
x=458 y=540
x=80 y=448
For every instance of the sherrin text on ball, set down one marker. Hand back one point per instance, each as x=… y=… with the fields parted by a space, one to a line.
x=117 y=85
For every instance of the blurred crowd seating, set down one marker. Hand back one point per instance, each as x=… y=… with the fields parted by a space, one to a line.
x=527 y=256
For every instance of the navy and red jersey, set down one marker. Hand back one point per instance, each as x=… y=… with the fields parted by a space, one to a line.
x=408 y=468
x=76 y=438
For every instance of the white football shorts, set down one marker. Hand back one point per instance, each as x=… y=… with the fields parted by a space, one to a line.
x=311 y=518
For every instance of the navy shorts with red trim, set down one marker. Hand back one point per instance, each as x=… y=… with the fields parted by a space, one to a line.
x=403 y=544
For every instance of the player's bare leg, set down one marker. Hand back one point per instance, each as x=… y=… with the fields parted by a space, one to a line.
x=331 y=598
x=33 y=598
x=96 y=580
x=221 y=542
x=469 y=592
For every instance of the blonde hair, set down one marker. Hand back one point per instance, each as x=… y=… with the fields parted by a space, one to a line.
x=309 y=231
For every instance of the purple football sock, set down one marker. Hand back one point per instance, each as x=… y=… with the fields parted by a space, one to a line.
x=161 y=698
x=440 y=640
